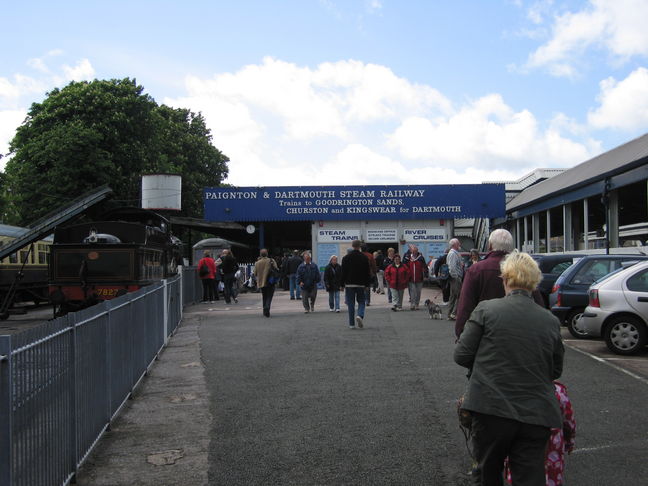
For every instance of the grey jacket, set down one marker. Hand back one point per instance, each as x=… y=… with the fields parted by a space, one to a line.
x=514 y=350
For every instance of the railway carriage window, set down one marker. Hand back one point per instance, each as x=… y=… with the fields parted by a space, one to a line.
x=13 y=258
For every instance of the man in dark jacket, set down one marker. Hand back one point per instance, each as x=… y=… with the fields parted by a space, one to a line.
x=228 y=268
x=308 y=276
x=356 y=276
x=482 y=280
x=289 y=268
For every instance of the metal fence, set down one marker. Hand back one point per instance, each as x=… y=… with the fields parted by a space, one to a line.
x=62 y=383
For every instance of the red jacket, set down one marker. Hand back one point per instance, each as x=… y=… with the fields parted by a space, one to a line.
x=211 y=265
x=417 y=269
x=397 y=277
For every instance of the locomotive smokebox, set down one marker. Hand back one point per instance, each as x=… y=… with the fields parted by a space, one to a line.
x=162 y=192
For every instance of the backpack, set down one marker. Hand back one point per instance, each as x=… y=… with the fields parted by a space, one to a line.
x=203 y=271
x=444 y=272
x=274 y=276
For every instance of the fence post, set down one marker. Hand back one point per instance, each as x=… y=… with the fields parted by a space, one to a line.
x=109 y=368
x=165 y=306
x=6 y=399
x=74 y=431
x=180 y=292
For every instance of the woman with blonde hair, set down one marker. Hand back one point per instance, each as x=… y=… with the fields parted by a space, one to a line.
x=514 y=351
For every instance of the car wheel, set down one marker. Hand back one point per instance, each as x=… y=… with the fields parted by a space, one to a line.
x=574 y=326
x=625 y=335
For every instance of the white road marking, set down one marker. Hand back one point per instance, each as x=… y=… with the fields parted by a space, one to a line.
x=605 y=361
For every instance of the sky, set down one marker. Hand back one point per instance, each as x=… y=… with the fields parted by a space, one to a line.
x=355 y=92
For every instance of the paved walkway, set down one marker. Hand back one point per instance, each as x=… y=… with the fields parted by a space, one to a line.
x=237 y=398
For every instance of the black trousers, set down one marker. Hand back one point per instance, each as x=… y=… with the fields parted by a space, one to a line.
x=209 y=289
x=445 y=289
x=495 y=438
x=267 y=292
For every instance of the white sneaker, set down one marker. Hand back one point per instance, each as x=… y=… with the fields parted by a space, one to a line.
x=337 y=310
x=331 y=310
x=359 y=322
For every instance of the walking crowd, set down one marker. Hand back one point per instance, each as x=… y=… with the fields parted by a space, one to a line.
x=520 y=418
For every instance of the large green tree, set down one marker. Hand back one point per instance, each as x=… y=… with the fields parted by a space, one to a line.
x=105 y=132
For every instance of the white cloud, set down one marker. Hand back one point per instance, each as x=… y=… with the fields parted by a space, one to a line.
x=19 y=91
x=12 y=91
x=623 y=104
x=617 y=26
x=486 y=132
x=9 y=121
x=539 y=10
x=348 y=122
x=38 y=64
x=373 y=6
x=81 y=72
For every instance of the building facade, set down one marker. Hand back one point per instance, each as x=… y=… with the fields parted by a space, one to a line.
x=598 y=205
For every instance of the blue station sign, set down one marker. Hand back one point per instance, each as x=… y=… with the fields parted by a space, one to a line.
x=346 y=203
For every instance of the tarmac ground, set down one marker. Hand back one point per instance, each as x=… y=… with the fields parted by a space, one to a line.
x=300 y=399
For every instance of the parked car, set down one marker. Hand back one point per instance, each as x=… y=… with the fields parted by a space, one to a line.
x=569 y=298
x=618 y=310
x=552 y=265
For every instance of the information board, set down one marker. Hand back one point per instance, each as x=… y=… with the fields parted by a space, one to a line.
x=330 y=203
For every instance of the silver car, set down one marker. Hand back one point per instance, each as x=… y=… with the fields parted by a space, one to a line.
x=618 y=310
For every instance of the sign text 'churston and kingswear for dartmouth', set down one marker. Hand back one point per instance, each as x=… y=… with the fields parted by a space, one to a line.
x=349 y=203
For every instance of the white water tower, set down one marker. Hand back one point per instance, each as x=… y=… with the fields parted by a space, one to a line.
x=162 y=192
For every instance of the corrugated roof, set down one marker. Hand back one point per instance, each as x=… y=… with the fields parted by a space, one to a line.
x=617 y=160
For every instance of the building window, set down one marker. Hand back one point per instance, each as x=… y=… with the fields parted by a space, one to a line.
x=633 y=214
x=557 y=240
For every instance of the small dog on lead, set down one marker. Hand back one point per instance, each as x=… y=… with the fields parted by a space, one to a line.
x=433 y=309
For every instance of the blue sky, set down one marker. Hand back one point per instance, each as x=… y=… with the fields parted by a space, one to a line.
x=356 y=91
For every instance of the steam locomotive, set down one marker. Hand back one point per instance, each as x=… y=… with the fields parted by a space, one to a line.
x=92 y=262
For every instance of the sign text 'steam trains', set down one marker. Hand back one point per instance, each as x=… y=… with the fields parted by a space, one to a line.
x=315 y=194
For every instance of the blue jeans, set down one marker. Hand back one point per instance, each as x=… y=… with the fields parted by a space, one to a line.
x=295 y=290
x=352 y=294
x=334 y=299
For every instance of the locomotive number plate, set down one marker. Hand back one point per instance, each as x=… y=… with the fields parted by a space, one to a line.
x=106 y=292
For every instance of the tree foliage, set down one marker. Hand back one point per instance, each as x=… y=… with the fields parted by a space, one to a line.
x=105 y=132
